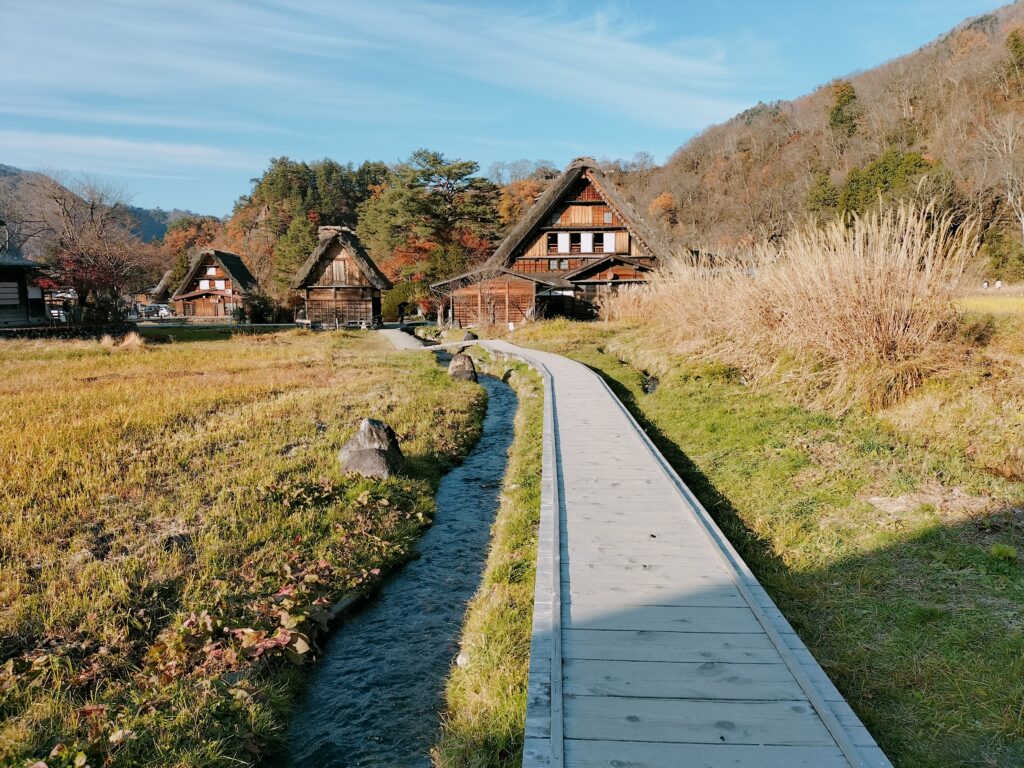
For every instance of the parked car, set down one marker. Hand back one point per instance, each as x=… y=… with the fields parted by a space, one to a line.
x=155 y=310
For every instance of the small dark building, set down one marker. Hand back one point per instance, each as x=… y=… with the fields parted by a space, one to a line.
x=216 y=285
x=15 y=305
x=339 y=283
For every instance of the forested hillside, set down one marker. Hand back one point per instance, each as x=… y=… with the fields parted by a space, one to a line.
x=26 y=200
x=945 y=121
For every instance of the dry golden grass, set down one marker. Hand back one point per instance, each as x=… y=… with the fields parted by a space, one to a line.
x=854 y=311
x=993 y=304
x=173 y=522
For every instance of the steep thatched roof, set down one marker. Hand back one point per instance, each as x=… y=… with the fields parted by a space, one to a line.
x=160 y=290
x=241 y=278
x=348 y=240
x=13 y=258
x=555 y=194
x=10 y=256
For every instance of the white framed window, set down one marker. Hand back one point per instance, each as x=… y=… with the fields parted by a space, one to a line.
x=607 y=217
x=609 y=242
x=211 y=270
x=204 y=285
x=218 y=284
x=587 y=242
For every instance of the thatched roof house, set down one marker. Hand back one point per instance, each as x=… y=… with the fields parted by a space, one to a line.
x=216 y=285
x=339 y=283
x=579 y=240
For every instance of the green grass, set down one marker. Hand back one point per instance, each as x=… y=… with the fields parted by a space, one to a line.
x=486 y=698
x=902 y=599
x=174 y=527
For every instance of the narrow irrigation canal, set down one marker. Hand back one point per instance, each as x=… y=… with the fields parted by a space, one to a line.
x=374 y=697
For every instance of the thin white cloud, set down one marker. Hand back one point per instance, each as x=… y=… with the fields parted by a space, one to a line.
x=331 y=55
x=100 y=154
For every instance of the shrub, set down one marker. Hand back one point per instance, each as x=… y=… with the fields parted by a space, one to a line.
x=858 y=310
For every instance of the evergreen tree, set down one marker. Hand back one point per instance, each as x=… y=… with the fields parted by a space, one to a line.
x=844 y=115
x=292 y=249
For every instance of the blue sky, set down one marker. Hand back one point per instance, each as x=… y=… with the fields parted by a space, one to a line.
x=182 y=102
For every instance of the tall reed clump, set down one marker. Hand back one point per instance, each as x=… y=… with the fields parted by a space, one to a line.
x=859 y=310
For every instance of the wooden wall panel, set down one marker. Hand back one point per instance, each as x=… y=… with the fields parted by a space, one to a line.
x=496 y=302
x=622 y=243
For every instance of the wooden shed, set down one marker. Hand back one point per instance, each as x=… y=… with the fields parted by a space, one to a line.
x=216 y=285
x=15 y=288
x=581 y=239
x=500 y=296
x=339 y=283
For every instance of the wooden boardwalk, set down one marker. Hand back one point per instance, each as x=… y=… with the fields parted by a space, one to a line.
x=653 y=644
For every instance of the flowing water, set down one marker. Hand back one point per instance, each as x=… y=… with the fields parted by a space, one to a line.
x=373 y=698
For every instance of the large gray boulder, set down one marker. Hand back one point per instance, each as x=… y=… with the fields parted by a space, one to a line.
x=372 y=452
x=468 y=336
x=461 y=367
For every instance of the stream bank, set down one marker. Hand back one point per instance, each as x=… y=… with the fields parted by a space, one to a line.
x=373 y=698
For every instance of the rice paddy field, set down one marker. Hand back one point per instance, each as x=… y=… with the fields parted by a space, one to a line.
x=174 y=528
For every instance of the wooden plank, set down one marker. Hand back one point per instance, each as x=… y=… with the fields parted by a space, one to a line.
x=638 y=645
x=694 y=721
x=693 y=680
x=661 y=618
x=623 y=754
x=652 y=594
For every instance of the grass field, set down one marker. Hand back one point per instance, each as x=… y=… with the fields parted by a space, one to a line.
x=174 y=526
x=890 y=547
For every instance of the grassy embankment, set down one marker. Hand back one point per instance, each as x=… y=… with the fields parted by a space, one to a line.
x=486 y=698
x=174 y=527
x=889 y=540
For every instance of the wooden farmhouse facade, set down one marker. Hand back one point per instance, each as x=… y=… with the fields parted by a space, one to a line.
x=340 y=284
x=16 y=308
x=216 y=285
x=580 y=240
x=20 y=300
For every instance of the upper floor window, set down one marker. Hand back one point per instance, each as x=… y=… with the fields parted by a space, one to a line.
x=204 y=285
x=211 y=270
x=607 y=217
x=218 y=284
x=599 y=242
x=575 y=242
x=552 y=242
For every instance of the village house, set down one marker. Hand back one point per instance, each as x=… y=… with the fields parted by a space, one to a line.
x=580 y=240
x=216 y=285
x=339 y=283
x=20 y=300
